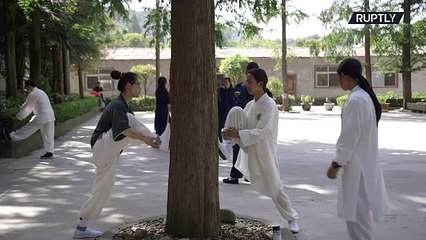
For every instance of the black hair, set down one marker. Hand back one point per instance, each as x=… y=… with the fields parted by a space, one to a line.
x=124 y=78
x=31 y=83
x=353 y=68
x=161 y=82
x=251 y=65
x=260 y=76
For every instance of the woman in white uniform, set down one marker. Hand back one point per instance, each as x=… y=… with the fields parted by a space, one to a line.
x=116 y=125
x=362 y=191
x=255 y=130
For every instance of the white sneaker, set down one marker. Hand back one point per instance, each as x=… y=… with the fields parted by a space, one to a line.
x=292 y=225
x=223 y=152
x=88 y=233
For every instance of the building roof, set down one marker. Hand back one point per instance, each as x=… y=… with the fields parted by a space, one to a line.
x=149 y=53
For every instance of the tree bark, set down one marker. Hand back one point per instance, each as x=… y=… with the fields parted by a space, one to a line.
x=80 y=81
x=35 y=47
x=367 y=46
x=58 y=73
x=66 y=69
x=406 y=54
x=157 y=44
x=10 y=55
x=193 y=198
x=286 y=105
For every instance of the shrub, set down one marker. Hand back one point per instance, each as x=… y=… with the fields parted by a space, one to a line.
x=291 y=100
x=276 y=87
x=341 y=100
x=306 y=99
x=69 y=110
x=62 y=111
x=143 y=103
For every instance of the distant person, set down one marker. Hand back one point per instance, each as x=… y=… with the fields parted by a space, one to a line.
x=44 y=119
x=97 y=91
x=113 y=132
x=255 y=130
x=226 y=100
x=242 y=97
x=162 y=101
x=362 y=191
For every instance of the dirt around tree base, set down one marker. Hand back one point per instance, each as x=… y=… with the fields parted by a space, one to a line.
x=154 y=230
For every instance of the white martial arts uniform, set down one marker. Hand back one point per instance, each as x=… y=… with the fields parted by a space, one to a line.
x=258 y=130
x=44 y=119
x=106 y=153
x=362 y=190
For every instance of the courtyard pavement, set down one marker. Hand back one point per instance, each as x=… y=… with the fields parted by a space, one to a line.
x=39 y=199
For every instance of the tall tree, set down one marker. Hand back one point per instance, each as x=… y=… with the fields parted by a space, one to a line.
x=406 y=53
x=193 y=198
x=9 y=19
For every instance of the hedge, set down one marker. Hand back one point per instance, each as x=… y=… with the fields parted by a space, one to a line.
x=63 y=112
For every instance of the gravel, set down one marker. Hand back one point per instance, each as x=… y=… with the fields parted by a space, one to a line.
x=154 y=230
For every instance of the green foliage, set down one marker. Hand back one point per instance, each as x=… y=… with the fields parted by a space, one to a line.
x=132 y=40
x=143 y=103
x=342 y=99
x=65 y=111
x=306 y=99
x=234 y=67
x=78 y=107
x=146 y=74
x=291 y=100
x=276 y=87
x=255 y=43
x=327 y=100
x=381 y=98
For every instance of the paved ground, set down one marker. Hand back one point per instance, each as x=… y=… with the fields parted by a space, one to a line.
x=40 y=199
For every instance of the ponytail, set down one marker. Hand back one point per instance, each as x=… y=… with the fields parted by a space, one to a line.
x=364 y=84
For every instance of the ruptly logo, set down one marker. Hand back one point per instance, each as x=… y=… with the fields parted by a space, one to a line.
x=376 y=18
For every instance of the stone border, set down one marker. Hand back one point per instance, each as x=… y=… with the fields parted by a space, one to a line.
x=417 y=107
x=18 y=149
x=108 y=235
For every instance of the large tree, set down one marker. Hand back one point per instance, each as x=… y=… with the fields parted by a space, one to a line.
x=193 y=198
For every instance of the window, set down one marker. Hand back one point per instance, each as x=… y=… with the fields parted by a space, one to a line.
x=386 y=80
x=102 y=76
x=326 y=76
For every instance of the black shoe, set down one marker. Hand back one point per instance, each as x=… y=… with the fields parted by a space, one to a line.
x=48 y=155
x=246 y=180
x=230 y=181
x=6 y=133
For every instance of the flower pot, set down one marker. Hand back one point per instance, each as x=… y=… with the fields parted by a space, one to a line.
x=306 y=106
x=385 y=107
x=328 y=106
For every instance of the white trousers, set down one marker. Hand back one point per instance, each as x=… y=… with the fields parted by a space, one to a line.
x=47 y=131
x=106 y=153
x=361 y=229
x=237 y=118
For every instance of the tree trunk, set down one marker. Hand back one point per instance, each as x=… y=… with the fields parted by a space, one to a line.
x=10 y=60
x=80 y=81
x=193 y=198
x=286 y=105
x=20 y=61
x=157 y=44
x=66 y=69
x=406 y=54
x=58 y=73
x=35 y=47
x=367 y=46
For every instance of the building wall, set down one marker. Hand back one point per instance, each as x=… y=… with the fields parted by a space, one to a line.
x=302 y=67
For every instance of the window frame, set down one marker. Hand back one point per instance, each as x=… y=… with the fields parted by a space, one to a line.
x=328 y=72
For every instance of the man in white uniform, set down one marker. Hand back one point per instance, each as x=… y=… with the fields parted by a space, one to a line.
x=255 y=130
x=44 y=119
x=362 y=191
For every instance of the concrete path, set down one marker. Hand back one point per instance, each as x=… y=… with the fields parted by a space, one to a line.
x=39 y=199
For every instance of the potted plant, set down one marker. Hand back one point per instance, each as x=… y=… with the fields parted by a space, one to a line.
x=382 y=100
x=328 y=105
x=306 y=102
